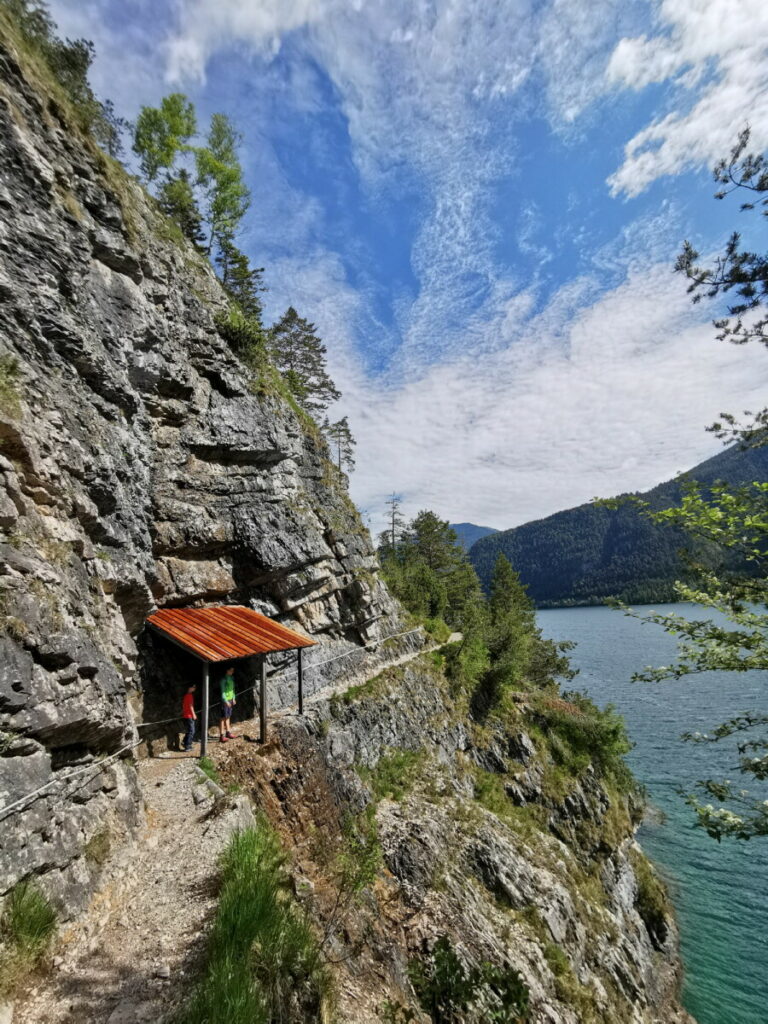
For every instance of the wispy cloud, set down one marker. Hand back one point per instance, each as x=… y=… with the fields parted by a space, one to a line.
x=716 y=54
x=607 y=398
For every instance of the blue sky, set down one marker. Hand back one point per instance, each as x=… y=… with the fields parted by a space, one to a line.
x=479 y=202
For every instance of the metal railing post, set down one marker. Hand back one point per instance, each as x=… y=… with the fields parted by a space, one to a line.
x=204 y=732
x=301 y=683
x=263 y=700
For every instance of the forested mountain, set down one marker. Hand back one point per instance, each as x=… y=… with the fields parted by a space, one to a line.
x=468 y=533
x=586 y=554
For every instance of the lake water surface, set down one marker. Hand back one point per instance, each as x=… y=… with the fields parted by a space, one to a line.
x=720 y=891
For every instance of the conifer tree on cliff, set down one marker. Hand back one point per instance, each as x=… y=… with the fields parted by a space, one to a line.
x=513 y=620
x=176 y=198
x=243 y=283
x=341 y=442
x=299 y=355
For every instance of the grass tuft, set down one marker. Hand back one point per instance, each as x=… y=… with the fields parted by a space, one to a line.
x=27 y=926
x=206 y=765
x=394 y=775
x=264 y=962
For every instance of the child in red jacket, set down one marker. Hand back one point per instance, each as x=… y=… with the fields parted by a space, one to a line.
x=189 y=716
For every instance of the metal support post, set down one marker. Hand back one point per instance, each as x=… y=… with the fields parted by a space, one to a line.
x=301 y=683
x=263 y=700
x=204 y=732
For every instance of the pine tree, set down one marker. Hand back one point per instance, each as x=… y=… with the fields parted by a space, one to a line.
x=108 y=128
x=342 y=443
x=299 y=355
x=435 y=542
x=176 y=198
x=513 y=623
x=395 y=519
x=242 y=282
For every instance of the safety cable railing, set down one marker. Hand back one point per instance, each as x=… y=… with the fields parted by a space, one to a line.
x=99 y=766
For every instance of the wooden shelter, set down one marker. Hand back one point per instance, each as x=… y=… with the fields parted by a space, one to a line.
x=227 y=633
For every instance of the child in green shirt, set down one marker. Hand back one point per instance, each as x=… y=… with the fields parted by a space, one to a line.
x=227 y=703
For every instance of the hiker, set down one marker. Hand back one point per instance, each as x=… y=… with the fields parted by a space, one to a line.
x=189 y=716
x=227 y=703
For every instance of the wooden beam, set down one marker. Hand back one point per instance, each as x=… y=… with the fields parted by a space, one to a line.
x=204 y=723
x=301 y=683
x=263 y=700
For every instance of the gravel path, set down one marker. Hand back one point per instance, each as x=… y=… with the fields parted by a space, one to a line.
x=131 y=957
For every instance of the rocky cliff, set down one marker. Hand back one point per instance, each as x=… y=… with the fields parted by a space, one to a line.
x=141 y=467
x=484 y=843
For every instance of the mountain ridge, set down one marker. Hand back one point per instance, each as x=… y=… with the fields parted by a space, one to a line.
x=588 y=553
x=469 y=533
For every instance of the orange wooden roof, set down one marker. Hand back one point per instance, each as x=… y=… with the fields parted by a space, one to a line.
x=225 y=632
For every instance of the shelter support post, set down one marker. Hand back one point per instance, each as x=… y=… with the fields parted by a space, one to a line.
x=204 y=723
x=263 y=699
x=301 y=683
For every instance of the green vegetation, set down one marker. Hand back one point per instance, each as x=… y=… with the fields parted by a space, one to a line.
x=377 y=686
x=341 y=443
x=427 y=569
x=579 y=733
x=437 y=629
x=490 y=793
x=501 y=649
x=651 y=899
x=300 y=356
x=500 y=656
x=161 y=133
x=558 y=962
x=264 y=963
x=201 y=192
x=288 y=359
x=359 y=860
x=569 y=989
x=220 y=179
x=176 y=198
x=27 y=927
x=588 y=554
x=737 y=270
x=394 y=775
x=450 y=992
x=65 y=64
x=206 y=765
x=244 y=335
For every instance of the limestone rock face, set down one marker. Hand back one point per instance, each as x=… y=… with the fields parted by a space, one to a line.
x=476 y=847
x=140 y=467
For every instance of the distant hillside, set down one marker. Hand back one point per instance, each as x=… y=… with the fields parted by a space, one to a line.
x=468 y=533
x=586 y=554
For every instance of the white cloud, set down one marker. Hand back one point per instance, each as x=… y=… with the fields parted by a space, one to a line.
x=574 y=44
x=542 y=425
x=209 y=25
x=715 y=52
x=127 y=69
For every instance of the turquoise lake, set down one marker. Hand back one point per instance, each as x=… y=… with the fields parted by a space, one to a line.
x=720 y=891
